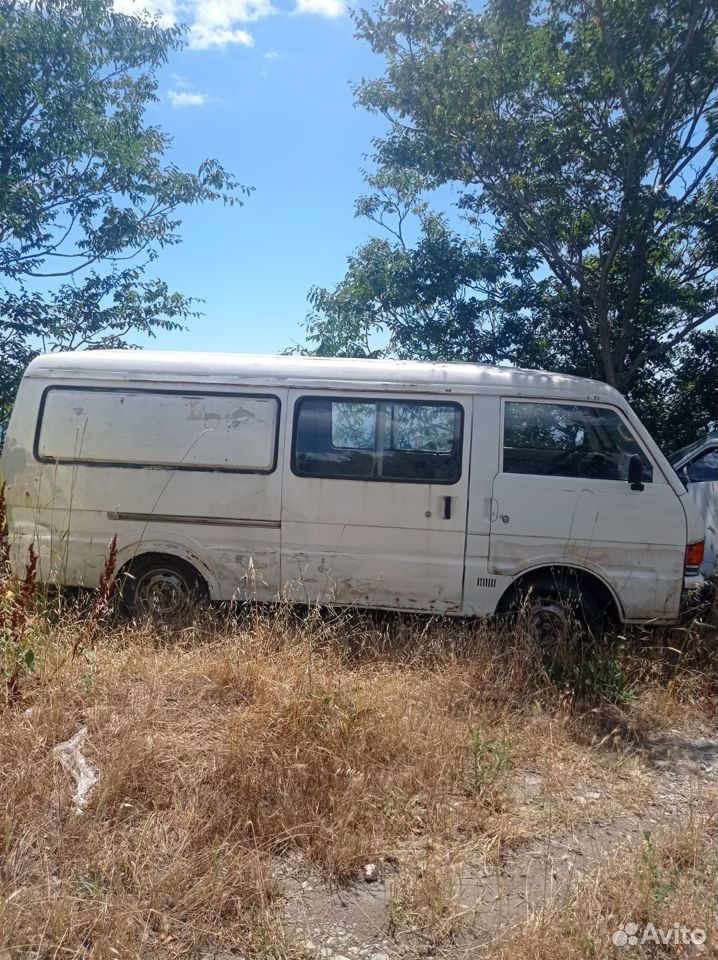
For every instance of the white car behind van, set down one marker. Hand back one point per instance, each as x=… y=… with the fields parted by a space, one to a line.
x=697 y=466
x=442 y=488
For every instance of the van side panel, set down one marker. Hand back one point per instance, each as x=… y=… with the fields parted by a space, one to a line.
x=67 y=496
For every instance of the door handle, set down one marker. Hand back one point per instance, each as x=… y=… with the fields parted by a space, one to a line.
x=447 y=508
x=494 y=510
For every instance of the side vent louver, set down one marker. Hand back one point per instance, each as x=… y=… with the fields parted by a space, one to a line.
x=489 y=582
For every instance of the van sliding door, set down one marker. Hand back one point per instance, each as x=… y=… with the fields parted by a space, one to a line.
x=374 y=500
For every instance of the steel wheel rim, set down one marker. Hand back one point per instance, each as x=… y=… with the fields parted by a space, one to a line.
x=549 y=622
x=162 y=592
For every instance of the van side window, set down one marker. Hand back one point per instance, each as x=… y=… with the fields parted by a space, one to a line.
x=354 y=425
x=400 y=441
x=568 y=440
x=331 y=437
x=165 y=429
x=421 y=426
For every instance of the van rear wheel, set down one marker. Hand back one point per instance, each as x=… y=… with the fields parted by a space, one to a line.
x=165 y=588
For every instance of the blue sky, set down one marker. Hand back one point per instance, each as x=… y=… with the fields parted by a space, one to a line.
x=266 y=90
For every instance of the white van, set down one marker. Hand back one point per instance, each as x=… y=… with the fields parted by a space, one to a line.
x=443 y=488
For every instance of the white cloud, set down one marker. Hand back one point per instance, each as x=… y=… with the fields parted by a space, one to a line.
x=186 y=98
x=212 y=23
x=271 y=55
x=166 y=10
x=325 y=8
x=203 y=36
x=224 y=12
x=219 y=23
x=216 y=21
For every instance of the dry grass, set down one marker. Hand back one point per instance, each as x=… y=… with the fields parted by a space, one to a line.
x=230 y=747
x=666 y=879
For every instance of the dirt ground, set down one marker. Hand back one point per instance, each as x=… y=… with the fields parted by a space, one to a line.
x=488 y=901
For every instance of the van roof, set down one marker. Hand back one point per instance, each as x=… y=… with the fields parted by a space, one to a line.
x=235 y=368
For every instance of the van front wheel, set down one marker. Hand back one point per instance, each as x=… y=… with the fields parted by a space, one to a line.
x=166 y=588
x=557 y=613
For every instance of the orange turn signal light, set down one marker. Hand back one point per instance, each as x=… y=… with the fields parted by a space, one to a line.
x=694 y=554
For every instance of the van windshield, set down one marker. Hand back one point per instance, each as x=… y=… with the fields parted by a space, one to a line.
x=680 y=456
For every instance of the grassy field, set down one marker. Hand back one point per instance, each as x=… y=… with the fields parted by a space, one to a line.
x=296 y=783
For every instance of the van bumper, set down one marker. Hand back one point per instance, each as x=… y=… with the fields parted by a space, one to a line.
x=698 y=595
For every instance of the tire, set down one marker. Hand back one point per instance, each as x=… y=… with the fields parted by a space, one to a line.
x=560 y=615
x=161 y=587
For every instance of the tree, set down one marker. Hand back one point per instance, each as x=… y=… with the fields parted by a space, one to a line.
x=86 y=202
x=678 y=404
x=444 y=298
x=581 y=134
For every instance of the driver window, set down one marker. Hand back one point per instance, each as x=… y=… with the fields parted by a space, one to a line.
x=568 y=440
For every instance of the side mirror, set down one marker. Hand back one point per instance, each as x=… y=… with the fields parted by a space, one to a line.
x=635 y=472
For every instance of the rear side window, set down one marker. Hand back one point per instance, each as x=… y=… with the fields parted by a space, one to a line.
x=704 y=469
x=401 y=441
x=153 y=428
x=568 y=440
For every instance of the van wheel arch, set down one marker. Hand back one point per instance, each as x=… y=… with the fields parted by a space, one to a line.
x=179 y=575
x=560 y=575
